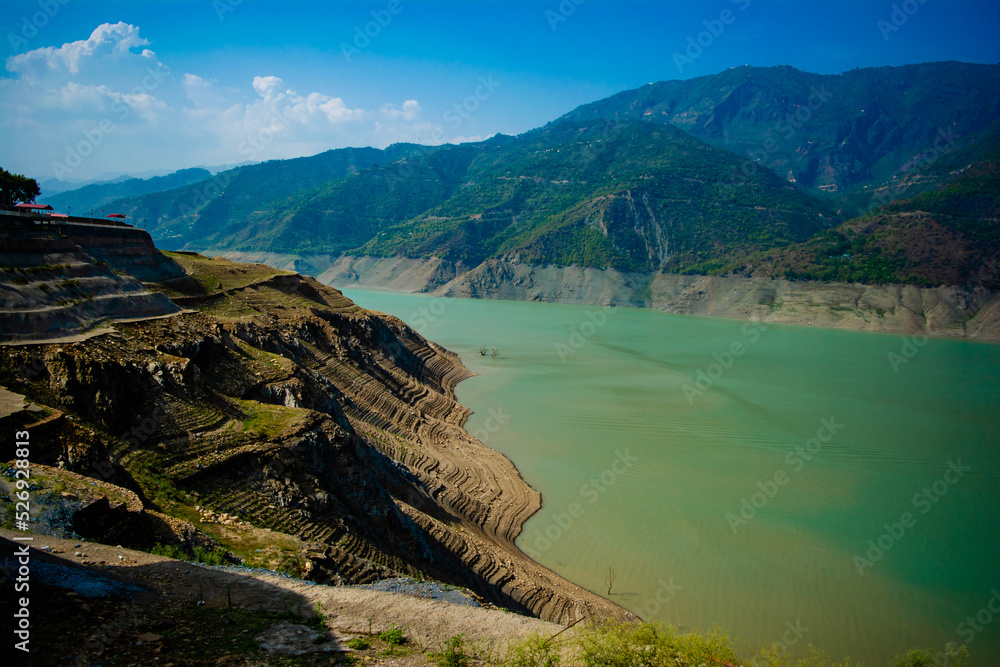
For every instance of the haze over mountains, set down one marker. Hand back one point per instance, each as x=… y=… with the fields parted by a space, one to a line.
x=666 y=177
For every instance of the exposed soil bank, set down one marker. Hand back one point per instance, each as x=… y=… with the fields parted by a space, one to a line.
x=899 y=309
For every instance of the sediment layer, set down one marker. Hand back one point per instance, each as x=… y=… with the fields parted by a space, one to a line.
x=964 y=312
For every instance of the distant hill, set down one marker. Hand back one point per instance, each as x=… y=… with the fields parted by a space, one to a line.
x=828 y=133
x=194 y=212
x=97 y=196
x=949 y=236
x=632 y=196
x=665 y=178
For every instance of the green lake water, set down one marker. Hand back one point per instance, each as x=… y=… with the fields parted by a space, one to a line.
x=798 y=485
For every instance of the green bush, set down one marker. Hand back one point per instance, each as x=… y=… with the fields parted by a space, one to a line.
x=535 y=651
x=453 y=654
x=169 y=551
x=651 y=645
x=394 y=637
x=208 y=556
x=952 y=656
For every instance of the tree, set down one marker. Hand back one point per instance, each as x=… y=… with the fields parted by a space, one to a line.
x=610 y=580
x=15 y=188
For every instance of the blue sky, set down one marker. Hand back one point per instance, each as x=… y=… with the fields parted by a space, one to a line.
x=92 y=88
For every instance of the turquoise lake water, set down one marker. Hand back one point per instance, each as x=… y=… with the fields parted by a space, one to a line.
x=790 y=484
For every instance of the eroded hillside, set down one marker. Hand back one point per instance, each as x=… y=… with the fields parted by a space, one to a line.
x=276 y=403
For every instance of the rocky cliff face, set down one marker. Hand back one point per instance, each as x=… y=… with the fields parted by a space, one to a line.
x=281 y=405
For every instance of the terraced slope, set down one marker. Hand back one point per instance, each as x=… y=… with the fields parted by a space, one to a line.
x=50 y=287
x=282 y=406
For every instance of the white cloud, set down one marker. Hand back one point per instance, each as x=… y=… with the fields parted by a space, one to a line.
x=107 y=41
x=410 y=110
x=152 y=119
x=266 y=85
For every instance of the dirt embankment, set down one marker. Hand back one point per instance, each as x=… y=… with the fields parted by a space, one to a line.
x=902 y=309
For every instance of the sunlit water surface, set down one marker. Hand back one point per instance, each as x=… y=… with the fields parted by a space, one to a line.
x=821 y=487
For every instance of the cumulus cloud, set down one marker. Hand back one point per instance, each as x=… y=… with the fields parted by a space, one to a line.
x=109 y=53
x=107 y=104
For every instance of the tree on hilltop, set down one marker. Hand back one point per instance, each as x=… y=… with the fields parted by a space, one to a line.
x=17 y=189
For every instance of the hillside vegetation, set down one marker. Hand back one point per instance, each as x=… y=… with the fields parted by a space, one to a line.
x=949 y=236
x=832 y=134
x=728 y=172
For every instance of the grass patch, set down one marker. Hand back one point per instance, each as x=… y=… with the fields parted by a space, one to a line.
x=359 y=643
x=394 y=637
x=210 y=273
x=268 y=420
x=535 y=651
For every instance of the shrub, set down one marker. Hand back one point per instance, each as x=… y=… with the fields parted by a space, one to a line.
x=453 y=654
x=535 y=651
x=952 y=656
x=359 y=643
x=394 y=637
x=169 y=551
x=634 y=645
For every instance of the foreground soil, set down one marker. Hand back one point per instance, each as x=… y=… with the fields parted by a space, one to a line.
x=107 y=605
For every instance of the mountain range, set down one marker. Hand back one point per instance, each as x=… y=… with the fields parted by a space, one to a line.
x=760 y=171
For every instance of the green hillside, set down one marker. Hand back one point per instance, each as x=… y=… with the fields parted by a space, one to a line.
x=192 y=213
x=949 y=236
x=831 y=134
x=631 y=196
x=668 y=177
